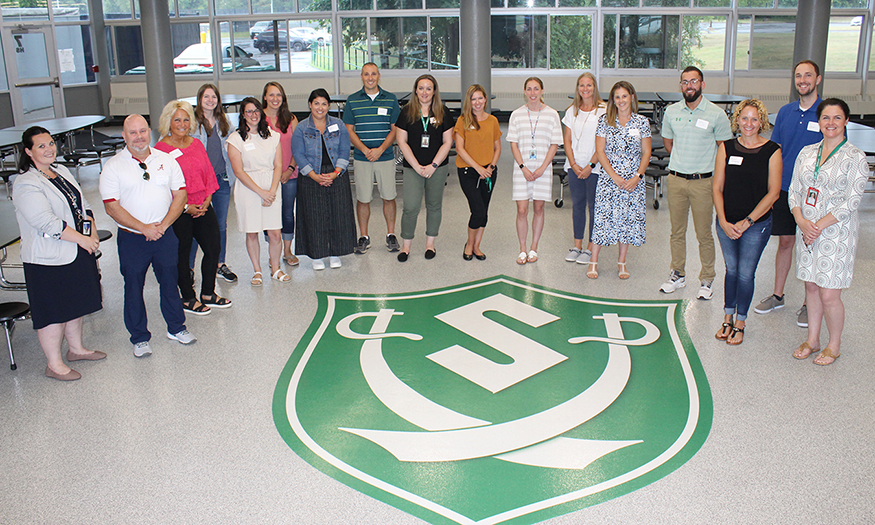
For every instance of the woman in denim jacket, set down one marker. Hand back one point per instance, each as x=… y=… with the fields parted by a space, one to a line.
x=326 y=224
x=213 y=129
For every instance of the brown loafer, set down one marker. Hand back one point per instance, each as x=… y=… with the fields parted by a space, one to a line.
x=93 y=356
x=72 y=375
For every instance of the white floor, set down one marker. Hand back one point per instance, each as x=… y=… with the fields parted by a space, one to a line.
x=187 y=435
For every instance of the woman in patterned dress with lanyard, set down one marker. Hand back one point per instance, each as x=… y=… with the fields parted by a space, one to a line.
x=534 y=132
x=58 y=241
x=828 y=182
x=623 y=148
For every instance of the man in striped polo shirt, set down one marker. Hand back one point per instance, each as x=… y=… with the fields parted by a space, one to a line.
x=370 y=116
x=692 y=130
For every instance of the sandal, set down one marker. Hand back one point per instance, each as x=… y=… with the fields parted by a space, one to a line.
x=281 y=276
x=622 y=273
x=592 y=270
x=521 y=258
x=533 y=256
x=189 y=306
x=725 y=328
x=826 y=354
x=735 y=331
x=292 y=260
x=256 y=279
x=215 y=301
x=804 y=351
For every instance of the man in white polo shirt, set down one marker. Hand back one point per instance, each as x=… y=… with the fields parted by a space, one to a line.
x=143 y=190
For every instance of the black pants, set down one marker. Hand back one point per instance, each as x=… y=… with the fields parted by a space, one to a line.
x=204 y=229
x=478 y=193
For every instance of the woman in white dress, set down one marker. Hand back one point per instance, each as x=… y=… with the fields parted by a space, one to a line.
x=534 y=132
x=828 y=182
x=581 y=163
x=257 y=161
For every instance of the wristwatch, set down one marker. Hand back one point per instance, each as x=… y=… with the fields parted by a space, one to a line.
x=494 y=167
x=522 y=166
x=592 y=164
x=640 y=175
x=434 y=165
x=749 y=220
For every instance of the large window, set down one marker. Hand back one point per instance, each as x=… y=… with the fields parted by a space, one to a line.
x=703 y=42
x=843 y=44
x=4 y=83
x=765 y=42
x=519 y=41
x=75 y=55
x=642 y=42
x=571 y=42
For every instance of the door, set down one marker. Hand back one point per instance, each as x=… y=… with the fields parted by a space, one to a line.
x=32 y=68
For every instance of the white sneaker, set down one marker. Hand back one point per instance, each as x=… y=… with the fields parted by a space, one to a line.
x=573 y=254
x=142 y=349
x=705 y=291
x=334 y=262
x=318 y=264
x=675 y=281
x=584 y=257
x=183 y=337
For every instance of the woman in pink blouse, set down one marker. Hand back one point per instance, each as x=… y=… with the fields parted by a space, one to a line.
x=198 y=221
x=283 y=121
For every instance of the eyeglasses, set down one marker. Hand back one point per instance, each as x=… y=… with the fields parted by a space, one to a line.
x=692 y=82
x=145 y=172
x=251 y=112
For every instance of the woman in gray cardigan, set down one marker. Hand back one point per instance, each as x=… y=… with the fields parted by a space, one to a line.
x=58 y=242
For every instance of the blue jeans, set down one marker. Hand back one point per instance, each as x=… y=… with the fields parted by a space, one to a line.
x=582 y=203
x=289 y=192
x=221 y=201
x=742 y=256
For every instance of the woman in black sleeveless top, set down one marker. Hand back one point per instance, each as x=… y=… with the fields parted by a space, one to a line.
x=747 y=181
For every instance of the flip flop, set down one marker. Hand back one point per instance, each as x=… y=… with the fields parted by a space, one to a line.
x=826 y=354
x=521 y=258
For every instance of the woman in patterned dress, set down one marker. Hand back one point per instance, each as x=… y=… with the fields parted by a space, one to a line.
x=828 y=182
x=623 y=149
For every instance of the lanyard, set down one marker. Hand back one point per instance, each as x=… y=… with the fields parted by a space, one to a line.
x=535 y=126
x=820 y=151
x=424 y=124
x=582 y=126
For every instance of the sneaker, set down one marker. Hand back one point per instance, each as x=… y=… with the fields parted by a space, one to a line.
x=318 y=264
x=334 y=262
x=142 y=349
x=392 y=243
x=227 y=274
x=802 y=317
x=675 y=281
x=183 y=337
x=772 y=302
x=705 y=291
x=585 y=256
x=573 y=254
x=363 y=245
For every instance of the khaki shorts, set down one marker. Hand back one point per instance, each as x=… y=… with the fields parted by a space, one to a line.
x=366 y=173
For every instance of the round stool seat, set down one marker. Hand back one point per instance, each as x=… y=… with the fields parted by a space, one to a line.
x=104 y=235
x=13 y=310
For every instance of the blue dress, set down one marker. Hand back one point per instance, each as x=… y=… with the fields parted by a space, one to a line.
x=619 y=214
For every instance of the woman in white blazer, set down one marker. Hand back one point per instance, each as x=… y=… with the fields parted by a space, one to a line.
x=58 y=242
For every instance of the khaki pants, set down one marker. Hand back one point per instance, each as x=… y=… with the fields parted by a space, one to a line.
x=685 y=195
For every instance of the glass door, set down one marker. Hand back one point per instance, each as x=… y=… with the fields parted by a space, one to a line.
x=32 y=68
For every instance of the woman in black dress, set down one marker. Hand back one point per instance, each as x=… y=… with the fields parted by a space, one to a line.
x=58 y=241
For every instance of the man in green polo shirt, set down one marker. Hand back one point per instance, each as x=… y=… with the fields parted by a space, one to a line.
x=370 y=116
x=692 y=131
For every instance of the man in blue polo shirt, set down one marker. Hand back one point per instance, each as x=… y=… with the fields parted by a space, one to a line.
x=795 y=127
x=370 y=116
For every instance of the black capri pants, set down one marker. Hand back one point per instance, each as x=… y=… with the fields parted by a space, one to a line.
x=478 y=192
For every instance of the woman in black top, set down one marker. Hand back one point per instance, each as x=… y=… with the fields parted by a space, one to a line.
x=747 y=181
x=425 y=136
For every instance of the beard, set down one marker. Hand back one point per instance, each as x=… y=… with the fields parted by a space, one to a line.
x=691 y=97
x=811 y=89
x=139 y=148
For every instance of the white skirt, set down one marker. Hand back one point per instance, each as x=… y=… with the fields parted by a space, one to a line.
x=252 y=217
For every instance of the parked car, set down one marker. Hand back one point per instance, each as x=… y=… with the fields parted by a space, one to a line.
x=202 y=55
x=259 y=27
x=310 y=34
x=264 y=41
x=857 y=21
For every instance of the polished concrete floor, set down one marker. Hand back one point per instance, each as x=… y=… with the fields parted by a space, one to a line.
x=187 y=435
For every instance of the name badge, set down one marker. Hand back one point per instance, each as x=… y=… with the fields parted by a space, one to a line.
x=735 y=160
x=382 y=111
x=176 y=153
x=811 y=196
x=249 y=146
x=332 y=128
x=425 y=141
x=813 y=126
x=533 y=154
x=635 y=132
x=702 y=124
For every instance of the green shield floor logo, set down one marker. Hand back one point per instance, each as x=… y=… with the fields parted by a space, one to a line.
x=494 y=401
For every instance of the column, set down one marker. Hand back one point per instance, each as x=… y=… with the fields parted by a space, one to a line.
x=812 y=29
x=476 y=28
x=158 y=51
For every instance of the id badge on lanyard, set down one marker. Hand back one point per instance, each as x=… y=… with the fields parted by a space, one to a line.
x=813 y=193
x=425 y=141
x=811 y=196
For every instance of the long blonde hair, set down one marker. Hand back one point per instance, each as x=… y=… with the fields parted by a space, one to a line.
x=578 y=100
x=611 y=113
x=468 y=118
x=414 y=108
